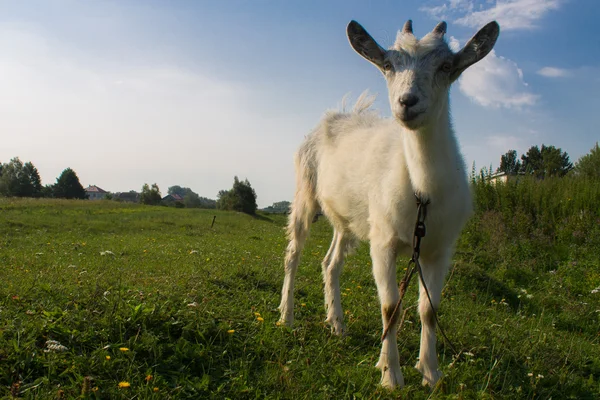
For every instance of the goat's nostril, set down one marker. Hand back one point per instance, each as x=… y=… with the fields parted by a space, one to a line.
x=408 y=100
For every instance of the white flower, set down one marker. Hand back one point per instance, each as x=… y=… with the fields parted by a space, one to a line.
x=54 y=347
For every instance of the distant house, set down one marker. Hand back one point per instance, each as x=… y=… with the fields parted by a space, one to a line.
x=172 y=198
x=129 y=197
x=95 y=193
x=503 y=177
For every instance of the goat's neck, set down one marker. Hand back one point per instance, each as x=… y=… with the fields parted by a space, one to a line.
x=432 y=157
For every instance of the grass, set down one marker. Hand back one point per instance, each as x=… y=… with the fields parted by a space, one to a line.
x=150 y=302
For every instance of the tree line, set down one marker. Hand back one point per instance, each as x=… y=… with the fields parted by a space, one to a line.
x=18 y=179
x=550 y=161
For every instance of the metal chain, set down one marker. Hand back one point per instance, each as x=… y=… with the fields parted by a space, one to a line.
x=414 y=264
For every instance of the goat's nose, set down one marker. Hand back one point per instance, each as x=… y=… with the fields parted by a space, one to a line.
x=408 y=100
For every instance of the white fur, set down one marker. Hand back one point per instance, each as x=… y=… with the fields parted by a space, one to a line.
x=363 y=172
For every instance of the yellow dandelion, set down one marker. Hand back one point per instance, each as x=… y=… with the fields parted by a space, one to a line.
x=231 y=331
x=149 y=378
x=155 y=389
x=303 y=304
x=123 y=349
x=278 y=323
x=257 y=314
x=260 y=319
x=107 y=358
x=124 y=384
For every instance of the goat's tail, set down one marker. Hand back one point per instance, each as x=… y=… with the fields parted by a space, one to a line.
x=303 y=210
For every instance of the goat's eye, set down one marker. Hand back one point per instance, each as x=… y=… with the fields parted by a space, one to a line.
x=387 y=66
x=446 y=67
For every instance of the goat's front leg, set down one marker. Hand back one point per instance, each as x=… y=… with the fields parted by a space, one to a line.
x=384 y=270
x=332 y=268
x=433 y=274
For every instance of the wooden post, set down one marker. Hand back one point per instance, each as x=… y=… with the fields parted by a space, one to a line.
x=213 y=221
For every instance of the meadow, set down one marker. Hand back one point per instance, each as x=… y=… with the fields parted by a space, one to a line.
x=151 y=302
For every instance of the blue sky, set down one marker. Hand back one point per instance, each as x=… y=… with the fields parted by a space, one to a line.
x=192 y=93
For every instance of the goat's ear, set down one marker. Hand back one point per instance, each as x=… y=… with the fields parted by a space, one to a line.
x=364 y=44
x=478 y=47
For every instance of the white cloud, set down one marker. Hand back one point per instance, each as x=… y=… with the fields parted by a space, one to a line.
x=510 y=14
x=496 y=82
x=552 y=72
x=454 y=44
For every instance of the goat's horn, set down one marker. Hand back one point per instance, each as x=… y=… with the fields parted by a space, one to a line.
x=408 y=27
x=440 y=28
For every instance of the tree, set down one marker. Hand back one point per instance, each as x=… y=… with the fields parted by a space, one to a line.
x=67 y=186
x=34 y=186
x=20 y=180
x=241 y=197
x=191 y=200
x=509 y=163
x=547 y=162
x=182 y=191
x=279 y=207
x=589 y=164
x=150 y=195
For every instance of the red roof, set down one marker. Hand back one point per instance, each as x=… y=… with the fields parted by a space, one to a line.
x=94 y=188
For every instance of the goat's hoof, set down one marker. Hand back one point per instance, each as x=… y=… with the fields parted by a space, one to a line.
x=391 y=378
x=285 y=321
x=430 y=377
x=337 y=327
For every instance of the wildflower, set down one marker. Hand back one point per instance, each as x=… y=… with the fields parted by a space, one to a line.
x=257 y=314
x=54 y=347
x=260 y=319
x=124 y=384
x=594 y=291
x=107 y=358
x=278 y=323
x=155 y=389
x=231 y=331
x=530 y=374
x=303 y=304
x=540 y=376
x=149 y=378
x=123 y=349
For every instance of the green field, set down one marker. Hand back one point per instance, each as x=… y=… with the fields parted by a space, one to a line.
x=154 y=299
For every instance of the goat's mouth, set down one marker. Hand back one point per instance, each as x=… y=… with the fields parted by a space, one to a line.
x=407 y=116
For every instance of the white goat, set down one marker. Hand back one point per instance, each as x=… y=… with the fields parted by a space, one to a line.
x=364 y=172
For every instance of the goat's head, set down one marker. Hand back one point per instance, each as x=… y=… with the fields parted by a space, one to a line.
x=419 y=72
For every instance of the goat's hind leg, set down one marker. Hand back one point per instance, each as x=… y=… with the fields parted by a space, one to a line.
x=298 y=228
x=332 y=269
